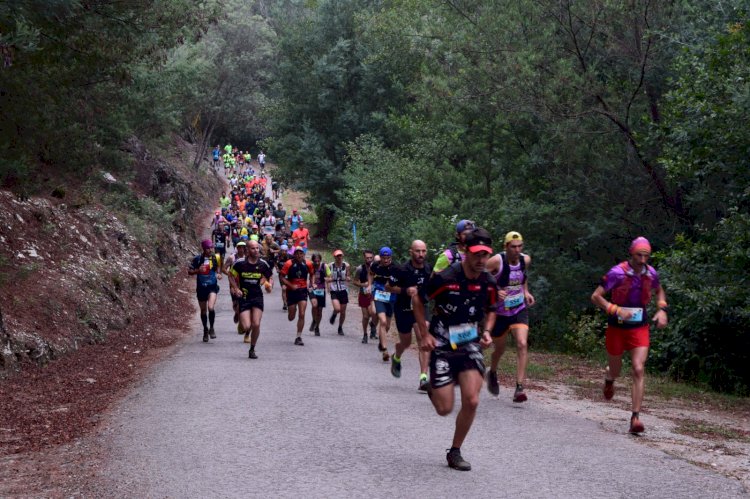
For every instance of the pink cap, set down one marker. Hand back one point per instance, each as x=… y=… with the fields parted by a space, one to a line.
x=207 y=244
x=640 y=244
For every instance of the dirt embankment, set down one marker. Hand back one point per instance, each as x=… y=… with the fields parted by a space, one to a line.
x=89 y=284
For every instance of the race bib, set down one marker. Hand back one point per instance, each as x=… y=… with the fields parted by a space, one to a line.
x=637 y=315
x=383 y=296
x=461 y=334
x=219 y=244
x=513 y=301
x=319 y=292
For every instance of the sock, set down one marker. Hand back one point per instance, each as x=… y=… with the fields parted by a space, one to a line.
x=204 y=320
x=422 y=376
x=211 y=317
x=252 y=347
x=396 y=359
x=635 y=415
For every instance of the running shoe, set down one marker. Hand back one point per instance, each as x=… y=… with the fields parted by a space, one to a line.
x=341 y=331
x=492 y=385
x=298 y=341
x=424 y=384
x=284 y=307
x=386 y=357
x=381 y=348
x=317 y=330
x=364 y=339
x=636 y=426
x=205 y=335
x=609 y=389
x=252 y=354
x=247 y=338
x=395 y=367
x=373 y=331
x=456 y=461
x=212 y=333
x=333 y=318
x=519 y=395
x=312 y=326
x=236 y=318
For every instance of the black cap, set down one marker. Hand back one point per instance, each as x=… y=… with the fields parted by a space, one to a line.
x=478 y=240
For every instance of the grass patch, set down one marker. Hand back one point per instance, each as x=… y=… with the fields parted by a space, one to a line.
x=707 y=431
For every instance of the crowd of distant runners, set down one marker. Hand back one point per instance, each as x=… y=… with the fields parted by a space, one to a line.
x=472 y=298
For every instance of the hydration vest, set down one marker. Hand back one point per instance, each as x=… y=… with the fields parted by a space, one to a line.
x=503 y=279
x=620 y=292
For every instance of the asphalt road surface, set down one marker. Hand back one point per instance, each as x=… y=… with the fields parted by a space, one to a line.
x=328 y=420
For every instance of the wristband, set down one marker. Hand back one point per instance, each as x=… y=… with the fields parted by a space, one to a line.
x=662 y=305
x=611 y=309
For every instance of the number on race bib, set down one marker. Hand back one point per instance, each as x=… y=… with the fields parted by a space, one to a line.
x=383 y=296
x=513 y=301
x=461 y=334
x=636 y=317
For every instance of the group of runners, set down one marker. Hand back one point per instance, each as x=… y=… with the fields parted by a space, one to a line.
x=473 y=298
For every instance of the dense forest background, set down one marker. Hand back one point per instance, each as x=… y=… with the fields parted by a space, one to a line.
x=581 y=124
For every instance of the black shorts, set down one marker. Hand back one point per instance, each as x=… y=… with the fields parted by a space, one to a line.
x=504 y=323
x=445 y=366
x=248 y=303
x=320 y=299
x=341 y=296
x=298 y=295
x=203 y=292
x=404 y=320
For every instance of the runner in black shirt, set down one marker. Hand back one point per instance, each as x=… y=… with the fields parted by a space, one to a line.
x=248 y=279
x=464 y=295
x=406 y=281
x=380 y=275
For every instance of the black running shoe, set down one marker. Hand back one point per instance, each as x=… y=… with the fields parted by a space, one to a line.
x=457 y=462
x=205 y=335
x=298 y=341
x=341 y=331
x=519 y=395
x=212 y=333
x=381 y=348
x=364 y=339
x=373 y=331
x=284 y=307
x=317 y=330
x=333 y=318
x=312 y=326
x=424 y=385
x=252 y=354
x=395 y=367
x=492 y=385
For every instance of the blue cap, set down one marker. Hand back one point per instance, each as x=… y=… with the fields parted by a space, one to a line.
x=465 y=225
x=386 y=251
x=284 y=247
x=244 y=238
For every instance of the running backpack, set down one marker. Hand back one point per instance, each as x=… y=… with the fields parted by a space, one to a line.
x=503 y=279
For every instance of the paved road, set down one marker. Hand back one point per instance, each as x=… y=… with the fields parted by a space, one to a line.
x=328 y=420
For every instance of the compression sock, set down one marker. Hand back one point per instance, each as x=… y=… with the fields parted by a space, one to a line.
x=204 y=320
x=635 y=415
x=211 y=317
x=396 y=359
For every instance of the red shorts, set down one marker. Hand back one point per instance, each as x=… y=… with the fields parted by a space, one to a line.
x=619 y=340
x=364 y=300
